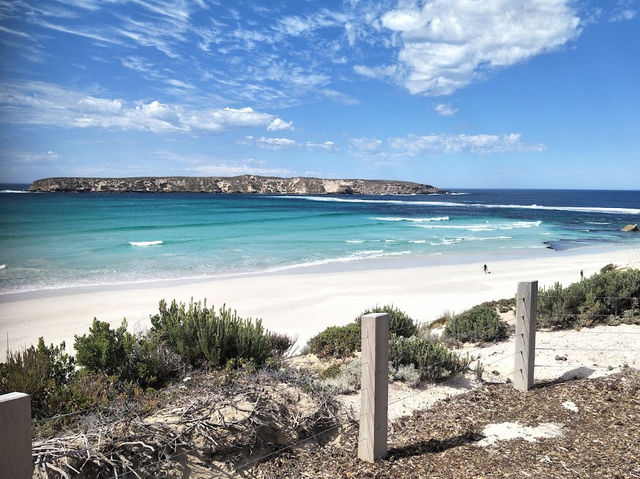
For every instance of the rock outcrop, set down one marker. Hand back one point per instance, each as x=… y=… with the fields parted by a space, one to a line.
x=235 y=184
x=630 y=228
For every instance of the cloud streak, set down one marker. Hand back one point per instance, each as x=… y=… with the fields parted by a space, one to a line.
x=435 y=145
x=287 y=144
x=38 y=103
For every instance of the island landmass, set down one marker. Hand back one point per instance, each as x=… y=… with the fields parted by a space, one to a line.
x=235 y=184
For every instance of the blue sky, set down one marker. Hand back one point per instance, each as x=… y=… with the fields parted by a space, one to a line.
x=455 y=93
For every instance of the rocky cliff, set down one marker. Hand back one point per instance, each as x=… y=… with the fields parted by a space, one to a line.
x=235 y=184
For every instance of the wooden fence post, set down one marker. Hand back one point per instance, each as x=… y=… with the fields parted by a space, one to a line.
x=372 y=438
x=526 y=319
x=15 y=436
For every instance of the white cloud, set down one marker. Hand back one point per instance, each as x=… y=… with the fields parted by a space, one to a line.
x=248 y=167
x=270 y=143
x=278 y=124
x=338 y=96
x=39 y=103
x=411 y=146
x=365 y=145
x=445 y=109
x=204 y=164
x=414 y=145
x=445 y=45
x=287 y=143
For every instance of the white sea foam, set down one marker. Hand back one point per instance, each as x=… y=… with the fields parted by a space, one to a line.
x=579 y=209
x=354 y=241
x=418 y=241
x=485 y=226
x=411 y=220
x=14 y=191
x=3 y=266
x=145 y=243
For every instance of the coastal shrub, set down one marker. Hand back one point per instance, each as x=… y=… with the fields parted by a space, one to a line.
x=480 y=323
x=343 y=341
x=104 y=349
x=400 y=323
x=41 y=371
x=431 y=359
x=610 y=297
x=143 y=359
x=407 y=373
x=347 y=378
x=280 y=344
x=203 y=336
x=336 y=341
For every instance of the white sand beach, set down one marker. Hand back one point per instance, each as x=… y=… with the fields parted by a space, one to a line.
x=298 y=302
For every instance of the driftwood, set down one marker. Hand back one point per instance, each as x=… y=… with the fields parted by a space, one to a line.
x=210 y=419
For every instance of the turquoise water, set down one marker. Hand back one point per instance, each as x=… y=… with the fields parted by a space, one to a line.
x=59 y=240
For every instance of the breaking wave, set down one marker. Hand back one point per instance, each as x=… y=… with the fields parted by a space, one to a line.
x=411 y=220
x=578 y=209
x=145 y=243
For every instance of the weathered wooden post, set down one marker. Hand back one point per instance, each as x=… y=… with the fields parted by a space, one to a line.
x=526 y=319
x=15 y=436
x=372 y=440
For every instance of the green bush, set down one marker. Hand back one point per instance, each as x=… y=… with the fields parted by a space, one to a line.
x=41 y=371
x=104 y=349
x=400 y=323
x=336 y=341
x=342 y=341
x=480 y=323
x=609 y=297
x=144 y=360
x=202 y=336
x=431 y=358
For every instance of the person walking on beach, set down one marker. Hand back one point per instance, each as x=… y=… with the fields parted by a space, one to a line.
x=581 y=275
x=485 y=269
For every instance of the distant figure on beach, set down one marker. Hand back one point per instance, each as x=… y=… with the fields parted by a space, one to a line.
x=581 y=275
x=485 y=269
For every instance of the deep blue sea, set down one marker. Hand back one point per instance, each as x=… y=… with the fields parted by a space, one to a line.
x=58 y=240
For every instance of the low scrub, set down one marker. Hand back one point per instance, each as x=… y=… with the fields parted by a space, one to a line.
x=343 y=341
x=478 y=324
x=143 y=359
x=336 y=341
x=610 y=297
x=400 y=323
x=203 y=336
x=41 y=371
x=431 y=359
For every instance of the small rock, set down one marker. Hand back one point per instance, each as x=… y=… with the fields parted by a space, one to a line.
x=571 y=406
x=561 y=358
x=630 y=228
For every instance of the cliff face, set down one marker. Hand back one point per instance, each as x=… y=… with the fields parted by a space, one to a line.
x=235 y=184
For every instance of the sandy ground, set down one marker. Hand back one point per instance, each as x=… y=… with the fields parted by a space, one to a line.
x=301 y=302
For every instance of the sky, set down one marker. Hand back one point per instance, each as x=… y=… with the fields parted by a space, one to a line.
x=453 y=93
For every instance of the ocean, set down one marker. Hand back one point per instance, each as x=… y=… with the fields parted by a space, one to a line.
x=50 y=241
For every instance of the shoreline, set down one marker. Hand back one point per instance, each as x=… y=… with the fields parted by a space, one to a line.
x=304 y=301
x=337 y=265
